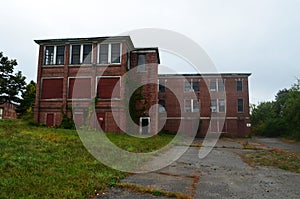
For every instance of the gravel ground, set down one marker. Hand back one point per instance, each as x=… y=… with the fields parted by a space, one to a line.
x=221 y=174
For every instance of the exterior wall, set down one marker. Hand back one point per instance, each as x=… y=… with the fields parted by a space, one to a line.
x=235 y=123
x=8 y=111
x=46 y=109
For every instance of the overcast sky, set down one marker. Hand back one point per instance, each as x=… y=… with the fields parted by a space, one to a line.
x=257 y=36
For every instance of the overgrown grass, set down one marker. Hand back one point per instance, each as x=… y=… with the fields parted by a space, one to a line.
x=41 y=162
x=276 y=158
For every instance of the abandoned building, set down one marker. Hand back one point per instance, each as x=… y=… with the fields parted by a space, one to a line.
x=96 y=67
x=7 y=111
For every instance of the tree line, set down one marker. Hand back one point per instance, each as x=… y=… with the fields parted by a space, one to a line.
x=280 y=117
x=13 y=87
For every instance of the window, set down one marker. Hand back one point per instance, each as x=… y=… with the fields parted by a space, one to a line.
x=87 y=53
x=81 y=54
x=221 y=86
x=191 y=105
x=105 y=88
x=75 y=54
x=213 y=105
x=141 y=65
x=52 y=88
x=213 y=86
x=239 y=85
x=83 y=88
x=240 y=106
x=49 y=55
x=115 y=53
x=162 y=86
x=191 y=86
x=217 y=85
x=60 y=55
x=222 y=105
x=162 y=105
x=218 y=105
x=109 y=53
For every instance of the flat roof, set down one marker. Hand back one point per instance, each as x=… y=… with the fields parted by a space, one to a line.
x=204 y=75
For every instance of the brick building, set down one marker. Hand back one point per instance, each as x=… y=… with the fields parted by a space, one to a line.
x=221 y=100
x=7 y=111
x=97 y=67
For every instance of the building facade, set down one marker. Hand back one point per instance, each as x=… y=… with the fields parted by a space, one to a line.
x=211 y=102
x=75 y=73
x=72 y=72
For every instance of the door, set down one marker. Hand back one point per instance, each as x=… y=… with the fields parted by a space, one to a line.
x=145 y=125
x=50 y=119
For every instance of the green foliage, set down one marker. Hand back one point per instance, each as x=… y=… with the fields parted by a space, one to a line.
x=66 y=123
x=28 y=99
x=43 y=162
x=11 y=85
x=280 y=117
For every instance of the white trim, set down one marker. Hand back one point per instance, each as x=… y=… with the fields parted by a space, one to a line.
x=54 y=56
x=109 y=61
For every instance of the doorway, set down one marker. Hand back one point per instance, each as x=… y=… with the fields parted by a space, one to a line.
x=144 y=125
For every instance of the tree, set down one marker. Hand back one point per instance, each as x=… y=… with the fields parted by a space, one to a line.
x=28 y=99
x=281 y=117
x=11 y=85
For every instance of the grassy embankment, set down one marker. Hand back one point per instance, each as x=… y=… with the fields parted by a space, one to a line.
x=41 y=162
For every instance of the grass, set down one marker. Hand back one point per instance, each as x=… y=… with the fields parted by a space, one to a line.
x=276 y=158
x=41 y=162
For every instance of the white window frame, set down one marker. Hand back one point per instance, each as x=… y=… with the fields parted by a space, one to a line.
x=191 y=82
x=109 y=61
x=81 y=54
x=217 y=85
x=191 y=101
x=54 y=55
x=217 y=108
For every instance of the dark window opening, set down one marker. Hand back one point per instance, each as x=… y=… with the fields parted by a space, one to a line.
x=162 y=86
x=141 y=63
x=239 y=85
x=115 y=53
x=75 y=54
x=87 y=53
x=240 y=105
x=60 y=55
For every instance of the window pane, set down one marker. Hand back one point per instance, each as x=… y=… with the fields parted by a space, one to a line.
x=60 y=55
x=162 y=106
x=187 y=86
x=213 y=86
x=240 y=105
x=87 y=53
x=115 y=53
x=196 y=86
x=141 y=67
x=196 y=105
x=213 y=105
x=75 y=56
x=222 y=105
x=239 y=85
x=162 y=87
x=187 y=106
x=103 y=56
x=49 y=55
x=221 y=86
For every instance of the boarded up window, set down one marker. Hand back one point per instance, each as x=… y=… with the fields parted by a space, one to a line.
x=52 y=88
x=82 y=86
x=106 y=86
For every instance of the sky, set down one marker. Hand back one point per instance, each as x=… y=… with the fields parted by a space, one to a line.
x=261 y=37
